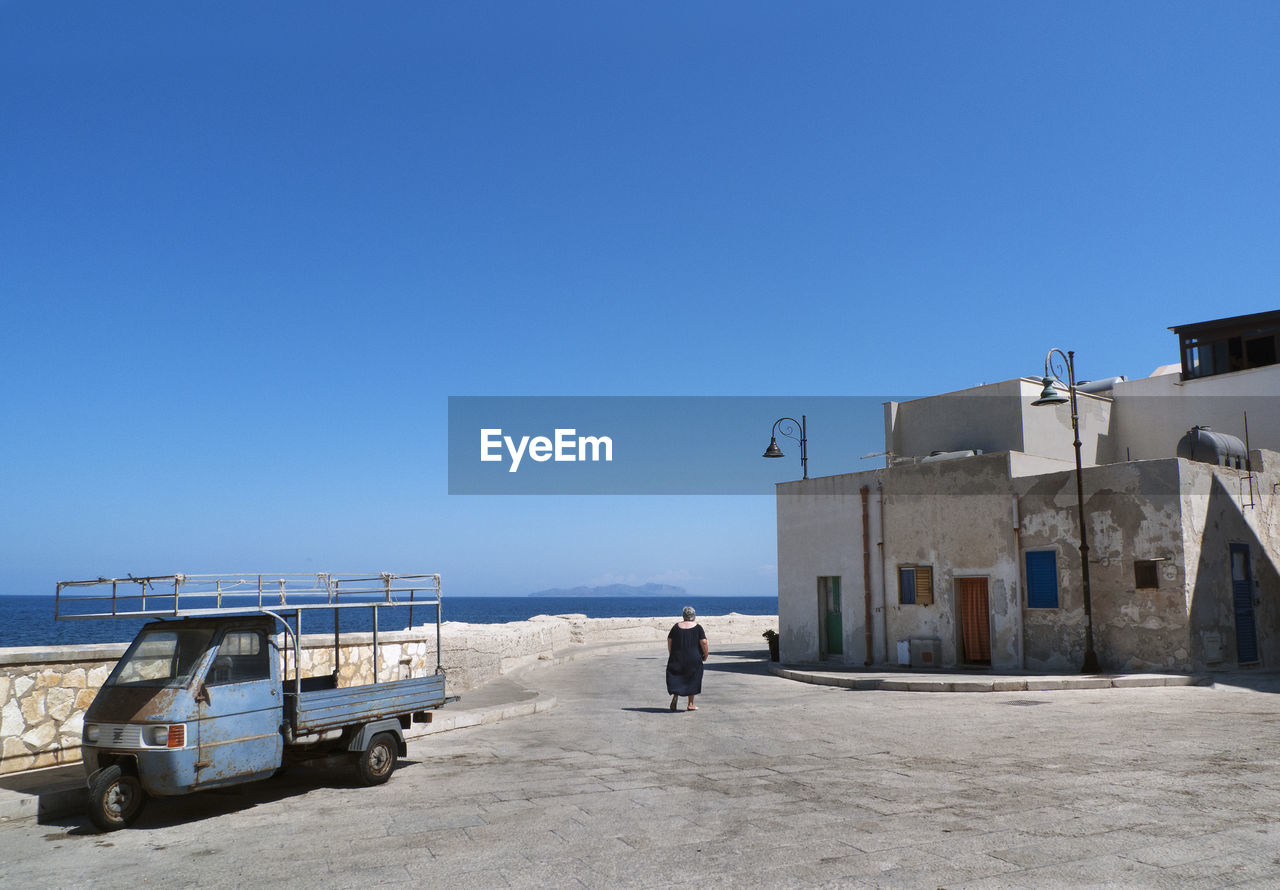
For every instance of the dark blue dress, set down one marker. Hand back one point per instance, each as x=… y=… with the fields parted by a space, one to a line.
x=684 y=664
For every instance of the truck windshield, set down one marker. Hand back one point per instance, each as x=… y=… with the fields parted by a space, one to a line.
x=162 y=657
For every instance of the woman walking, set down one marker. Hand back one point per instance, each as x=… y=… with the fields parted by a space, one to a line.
x=686 y=651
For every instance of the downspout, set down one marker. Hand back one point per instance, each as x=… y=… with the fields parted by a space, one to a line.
x=884 y=581
x=1017 y=568
x=866 y=569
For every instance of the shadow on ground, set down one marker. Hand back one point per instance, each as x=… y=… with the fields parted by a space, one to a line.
x=165 y=812
x=740 y=661
x=1251 y=680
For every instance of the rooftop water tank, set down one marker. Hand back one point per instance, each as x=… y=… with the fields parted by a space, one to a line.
x=1204 y=445
x=1107 y=384
x=950 y=455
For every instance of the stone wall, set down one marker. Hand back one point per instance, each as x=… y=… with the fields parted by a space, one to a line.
x=44 y=691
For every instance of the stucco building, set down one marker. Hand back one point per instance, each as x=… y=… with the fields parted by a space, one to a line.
x=964 y=549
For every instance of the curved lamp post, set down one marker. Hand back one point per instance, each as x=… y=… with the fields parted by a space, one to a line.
x=1055 y=364
x=789 y=427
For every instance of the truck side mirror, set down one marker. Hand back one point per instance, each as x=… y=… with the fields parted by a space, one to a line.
x=202 y=695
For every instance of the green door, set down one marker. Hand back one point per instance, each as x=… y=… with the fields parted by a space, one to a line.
x=829 y=605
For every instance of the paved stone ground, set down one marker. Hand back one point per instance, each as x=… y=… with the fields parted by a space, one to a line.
x=770 y=783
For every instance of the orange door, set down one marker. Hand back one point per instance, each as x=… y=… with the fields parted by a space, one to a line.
x=975 y=620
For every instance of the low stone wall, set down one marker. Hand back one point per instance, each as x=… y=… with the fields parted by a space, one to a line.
x=44 y=691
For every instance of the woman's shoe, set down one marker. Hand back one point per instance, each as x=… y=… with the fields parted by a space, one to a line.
x=673 y=701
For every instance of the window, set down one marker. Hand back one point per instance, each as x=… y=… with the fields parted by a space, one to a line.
x=915 y=585
x=162 y=657
x=1229 y=344
x=1145 y=574
x=1042 y=579
x=242 y=656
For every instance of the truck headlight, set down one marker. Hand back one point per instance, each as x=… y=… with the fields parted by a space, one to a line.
x=91 y=732
x=166 y=736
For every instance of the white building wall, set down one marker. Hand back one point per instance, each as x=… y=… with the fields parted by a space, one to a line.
x=1153 y=413
x=819 y=535
x=999 y=417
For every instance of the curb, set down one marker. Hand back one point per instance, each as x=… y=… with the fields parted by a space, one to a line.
x=53 y=791
x=982 y=684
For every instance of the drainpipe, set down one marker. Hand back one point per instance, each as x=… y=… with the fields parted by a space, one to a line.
x=1017 y=568
x=884 y=581
x=866 y=568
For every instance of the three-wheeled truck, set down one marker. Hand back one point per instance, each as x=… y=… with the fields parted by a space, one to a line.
x=204 y=698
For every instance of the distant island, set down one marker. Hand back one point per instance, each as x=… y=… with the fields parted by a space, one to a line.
x=615 y=590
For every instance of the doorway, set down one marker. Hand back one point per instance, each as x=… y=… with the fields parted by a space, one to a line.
x=975 y=621
x=830 y=625
x=1242 y=603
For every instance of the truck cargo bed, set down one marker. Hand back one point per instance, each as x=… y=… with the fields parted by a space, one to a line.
x=324 y=709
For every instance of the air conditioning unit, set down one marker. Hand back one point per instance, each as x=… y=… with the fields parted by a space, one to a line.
x=926 y=653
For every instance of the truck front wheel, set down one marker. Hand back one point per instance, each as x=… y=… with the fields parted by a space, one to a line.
x=375 y=763
x=115 y=799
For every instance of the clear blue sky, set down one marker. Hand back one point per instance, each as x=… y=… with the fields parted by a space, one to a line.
x=247 y=251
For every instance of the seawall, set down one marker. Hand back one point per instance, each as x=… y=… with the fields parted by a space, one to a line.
x=44 y=691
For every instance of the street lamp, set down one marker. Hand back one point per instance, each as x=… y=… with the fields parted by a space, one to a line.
x=788 y=429
x=1051 y=396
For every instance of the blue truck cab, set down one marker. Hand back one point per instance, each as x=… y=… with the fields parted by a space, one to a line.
x=203 y=702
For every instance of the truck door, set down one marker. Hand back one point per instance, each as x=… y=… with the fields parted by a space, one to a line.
x=240 y=711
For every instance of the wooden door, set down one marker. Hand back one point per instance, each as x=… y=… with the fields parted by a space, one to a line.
x=975 y=620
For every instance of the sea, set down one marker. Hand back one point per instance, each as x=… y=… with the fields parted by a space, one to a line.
x=29 y=620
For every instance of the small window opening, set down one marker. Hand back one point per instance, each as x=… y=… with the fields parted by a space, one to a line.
x=1146 y=574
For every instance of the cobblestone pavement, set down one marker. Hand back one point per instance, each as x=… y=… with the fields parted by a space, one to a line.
x=770 y=783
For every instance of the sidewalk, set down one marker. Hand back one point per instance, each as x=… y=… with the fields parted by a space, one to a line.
x=972 y=681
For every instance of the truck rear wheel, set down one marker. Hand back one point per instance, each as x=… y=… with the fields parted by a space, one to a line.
x=115 y=799
x=375 y=763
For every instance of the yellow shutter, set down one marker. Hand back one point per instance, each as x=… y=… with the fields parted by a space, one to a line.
x=924 y=585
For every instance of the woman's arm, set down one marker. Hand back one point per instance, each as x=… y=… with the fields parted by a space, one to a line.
x=706 y=649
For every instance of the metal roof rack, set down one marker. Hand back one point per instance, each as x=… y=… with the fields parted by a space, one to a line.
x=195 y=596
x=188 y=596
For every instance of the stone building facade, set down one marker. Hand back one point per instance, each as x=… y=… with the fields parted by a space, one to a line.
x=971 y=556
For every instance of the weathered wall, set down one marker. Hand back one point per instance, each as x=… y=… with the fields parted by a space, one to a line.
x=1133 y=510
x=956 y=516
x=1218 y=511
x=44 y=692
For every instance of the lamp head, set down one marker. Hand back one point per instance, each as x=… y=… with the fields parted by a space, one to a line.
x=1050 y=395
x=773 y=450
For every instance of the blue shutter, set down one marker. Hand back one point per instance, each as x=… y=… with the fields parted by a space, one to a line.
x=907 y=586
x=1042 y=579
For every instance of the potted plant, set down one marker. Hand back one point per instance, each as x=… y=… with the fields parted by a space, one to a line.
x=772 y=636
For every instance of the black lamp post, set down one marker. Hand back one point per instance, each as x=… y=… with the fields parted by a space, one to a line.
x=1051 y=396
x=789 y=430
